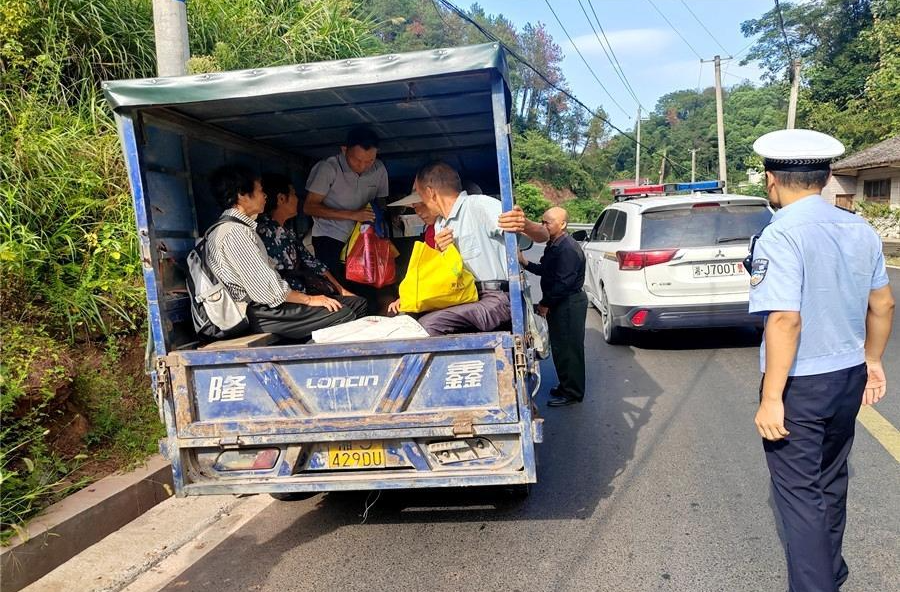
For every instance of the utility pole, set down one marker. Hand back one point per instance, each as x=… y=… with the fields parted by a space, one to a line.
x=170 y=29
x=795 y=89
x=720 y=120
x=662 y=166
x=693 y=164
x=637 y=151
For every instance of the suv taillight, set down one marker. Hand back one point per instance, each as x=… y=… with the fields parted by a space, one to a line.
x=637 y=260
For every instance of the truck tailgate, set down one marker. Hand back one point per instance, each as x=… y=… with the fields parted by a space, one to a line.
x=320 y=388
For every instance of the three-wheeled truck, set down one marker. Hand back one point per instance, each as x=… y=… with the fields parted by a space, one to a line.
x=434 y=412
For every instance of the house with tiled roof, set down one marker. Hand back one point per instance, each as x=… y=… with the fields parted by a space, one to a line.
x=871 y=175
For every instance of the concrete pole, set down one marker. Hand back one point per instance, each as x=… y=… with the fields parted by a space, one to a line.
x=720 y=124
x=693 y=164
x=795 y=89
x=637 y=151
x=170 y=28
x=662 y=166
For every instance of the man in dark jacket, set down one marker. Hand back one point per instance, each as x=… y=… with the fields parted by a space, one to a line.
x=564 y=304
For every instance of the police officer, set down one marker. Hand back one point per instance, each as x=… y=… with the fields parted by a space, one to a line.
x=818 y=275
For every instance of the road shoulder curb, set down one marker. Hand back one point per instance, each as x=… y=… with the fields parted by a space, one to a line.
x=82 y=519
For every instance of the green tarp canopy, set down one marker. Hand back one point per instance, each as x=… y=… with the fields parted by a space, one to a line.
x=433 y=103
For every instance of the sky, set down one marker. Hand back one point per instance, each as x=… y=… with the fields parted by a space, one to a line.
x=654 y=59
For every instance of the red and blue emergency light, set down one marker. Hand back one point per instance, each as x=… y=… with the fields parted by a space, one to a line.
x=625 y=193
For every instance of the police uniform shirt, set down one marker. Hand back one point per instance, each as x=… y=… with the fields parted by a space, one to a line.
x=344 y=190
x=822 y=262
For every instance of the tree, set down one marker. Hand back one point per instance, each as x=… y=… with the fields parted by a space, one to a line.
x=849 y=52
x=539 y=49
x=801 y=27
x=531 y=200
x=537 y=157
x=587 y=210
x=597 y=132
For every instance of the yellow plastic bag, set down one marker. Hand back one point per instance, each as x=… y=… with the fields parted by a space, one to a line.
x=348 y=246
x=436 y=280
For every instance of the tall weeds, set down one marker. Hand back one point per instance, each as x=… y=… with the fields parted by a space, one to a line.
x=236 y=34
x=69 y=267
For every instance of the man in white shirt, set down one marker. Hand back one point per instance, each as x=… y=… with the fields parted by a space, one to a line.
x=475 y=224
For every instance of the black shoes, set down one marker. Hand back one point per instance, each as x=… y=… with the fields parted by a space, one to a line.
x=558 y=400
x=562 y=401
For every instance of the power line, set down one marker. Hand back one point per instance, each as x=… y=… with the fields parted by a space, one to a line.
x=745 y=48
x=578 y=51
x=677 y=32
x=787 y=44
x=450 y=6
x=735 y=56
x=708 y=32
x=608 y=58
x=611 y=50
x=727 y=73
x=614 y=61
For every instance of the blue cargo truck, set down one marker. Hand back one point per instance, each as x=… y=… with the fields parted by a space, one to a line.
x=242 y=417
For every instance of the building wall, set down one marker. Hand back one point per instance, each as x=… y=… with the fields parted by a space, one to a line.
x=853 y=185
x=880 y=173
x=839 y=185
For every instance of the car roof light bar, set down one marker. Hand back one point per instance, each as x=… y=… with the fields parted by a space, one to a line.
x=625 y=193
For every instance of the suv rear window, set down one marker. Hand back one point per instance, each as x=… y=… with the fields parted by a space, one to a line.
x=702 y=226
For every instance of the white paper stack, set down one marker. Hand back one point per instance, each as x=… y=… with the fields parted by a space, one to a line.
x=371 y=329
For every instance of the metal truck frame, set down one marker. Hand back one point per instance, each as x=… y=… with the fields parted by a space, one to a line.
x=437 y=412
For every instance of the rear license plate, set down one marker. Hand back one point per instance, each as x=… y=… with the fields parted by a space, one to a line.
x=708 y=270
x=356 y=455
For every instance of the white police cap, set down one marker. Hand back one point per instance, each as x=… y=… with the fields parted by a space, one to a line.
x=797 y=150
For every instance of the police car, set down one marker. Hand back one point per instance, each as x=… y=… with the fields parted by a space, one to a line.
x=670 y=256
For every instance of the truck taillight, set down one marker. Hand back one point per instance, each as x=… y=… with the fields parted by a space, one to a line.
x=637 y=260
x=248 y=459
x=265 y=459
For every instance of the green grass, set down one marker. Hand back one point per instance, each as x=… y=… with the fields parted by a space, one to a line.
x=73 y=395
x=124 y=421
x=34 y=372
x=45 y=452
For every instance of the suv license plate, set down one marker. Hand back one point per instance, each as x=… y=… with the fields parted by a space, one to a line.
x=709 y=270
x=356 y=455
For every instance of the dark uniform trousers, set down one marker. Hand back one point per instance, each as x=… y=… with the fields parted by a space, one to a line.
x=565 y=322
x=298 y=321
x=809 y=474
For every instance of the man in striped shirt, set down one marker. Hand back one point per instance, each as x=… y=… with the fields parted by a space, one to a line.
x=238 y=258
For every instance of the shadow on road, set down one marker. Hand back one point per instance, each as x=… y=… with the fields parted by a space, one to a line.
x=685 y=339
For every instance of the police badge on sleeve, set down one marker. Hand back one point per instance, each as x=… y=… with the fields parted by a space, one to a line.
x=758 y=271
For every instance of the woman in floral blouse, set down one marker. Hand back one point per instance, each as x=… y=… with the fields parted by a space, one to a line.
x=296 y=265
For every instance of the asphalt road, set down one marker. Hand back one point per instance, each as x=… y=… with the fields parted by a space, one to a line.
x=656 y=482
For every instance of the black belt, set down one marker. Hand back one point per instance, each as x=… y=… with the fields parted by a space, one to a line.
x=493 y=286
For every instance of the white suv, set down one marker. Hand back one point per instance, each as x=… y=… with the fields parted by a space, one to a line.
x=673 y=261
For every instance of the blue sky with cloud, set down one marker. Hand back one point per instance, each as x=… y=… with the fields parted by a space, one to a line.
x=654 y=58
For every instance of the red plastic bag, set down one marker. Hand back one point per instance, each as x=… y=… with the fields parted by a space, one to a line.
x=371 y=260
